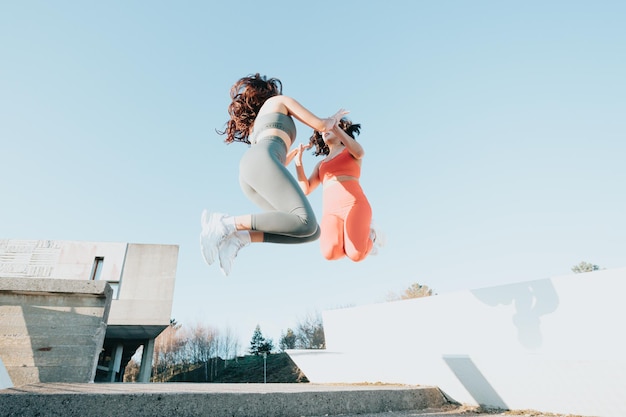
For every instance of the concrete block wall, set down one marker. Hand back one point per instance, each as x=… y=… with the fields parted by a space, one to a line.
x=553 y=345
x=52 y=330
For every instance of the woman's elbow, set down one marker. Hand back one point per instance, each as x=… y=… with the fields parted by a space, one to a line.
x=306 y=190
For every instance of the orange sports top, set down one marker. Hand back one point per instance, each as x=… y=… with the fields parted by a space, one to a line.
x=342 y=164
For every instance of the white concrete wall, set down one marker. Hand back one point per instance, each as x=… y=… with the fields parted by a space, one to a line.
x=553 y=345
x=59 y=259
x=147 y=288
x=77 y=258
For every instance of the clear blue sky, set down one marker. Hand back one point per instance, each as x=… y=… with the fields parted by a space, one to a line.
x=495 y=138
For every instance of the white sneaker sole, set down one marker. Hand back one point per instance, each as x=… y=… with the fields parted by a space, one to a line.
x=208 y=241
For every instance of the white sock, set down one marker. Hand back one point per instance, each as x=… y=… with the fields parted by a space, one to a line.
x=229 y=222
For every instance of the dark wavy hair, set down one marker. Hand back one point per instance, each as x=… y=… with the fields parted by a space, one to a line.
x=321 y=148
x=247 y=96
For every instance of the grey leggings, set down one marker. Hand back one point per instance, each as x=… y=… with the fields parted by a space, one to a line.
x=264 y=179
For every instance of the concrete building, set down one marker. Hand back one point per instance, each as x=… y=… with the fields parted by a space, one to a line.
x=137 y=279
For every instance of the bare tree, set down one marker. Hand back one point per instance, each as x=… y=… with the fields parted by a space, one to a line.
x=201 y=343
x=131 y=372
x=287 y=340
x=414 y=291
x=178 y=349
x=167 y=347
x=310 y=332
x=228 y=344
x=584 y=267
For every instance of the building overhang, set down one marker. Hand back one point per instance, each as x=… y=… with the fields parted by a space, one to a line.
x=133 y=332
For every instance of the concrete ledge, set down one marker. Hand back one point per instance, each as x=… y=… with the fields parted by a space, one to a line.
x=65 y=286
x=215 y=400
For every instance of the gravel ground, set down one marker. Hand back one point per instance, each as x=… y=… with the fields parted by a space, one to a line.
x=462 y=411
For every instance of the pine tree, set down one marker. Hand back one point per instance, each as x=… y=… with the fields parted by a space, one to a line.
x=258 y=343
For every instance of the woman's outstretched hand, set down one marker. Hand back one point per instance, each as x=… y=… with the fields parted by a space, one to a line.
x=333 y=120
x=340 y=113
x=299 y=151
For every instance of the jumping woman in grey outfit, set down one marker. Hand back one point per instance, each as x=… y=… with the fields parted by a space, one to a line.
x=262 y=117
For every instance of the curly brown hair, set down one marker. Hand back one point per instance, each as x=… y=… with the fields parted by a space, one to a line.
x=321 y=148
x=247 y=96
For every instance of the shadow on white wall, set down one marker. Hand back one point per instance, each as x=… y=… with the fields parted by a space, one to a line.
x=531 y=300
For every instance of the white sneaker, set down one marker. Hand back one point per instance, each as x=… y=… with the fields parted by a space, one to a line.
x=378 y=238
x=214 y=231
x=228 y=250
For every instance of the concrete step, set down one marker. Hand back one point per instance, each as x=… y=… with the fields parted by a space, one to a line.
x=214 y=400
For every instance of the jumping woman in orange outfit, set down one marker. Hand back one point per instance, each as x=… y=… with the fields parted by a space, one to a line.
x=346 y=213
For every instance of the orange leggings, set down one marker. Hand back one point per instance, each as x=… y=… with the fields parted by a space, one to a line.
x=346 y=221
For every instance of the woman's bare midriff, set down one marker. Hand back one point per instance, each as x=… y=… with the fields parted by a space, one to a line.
x=338 y=179
x=275 y=132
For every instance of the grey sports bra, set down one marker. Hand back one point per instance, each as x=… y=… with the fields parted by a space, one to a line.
x=273 y=121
